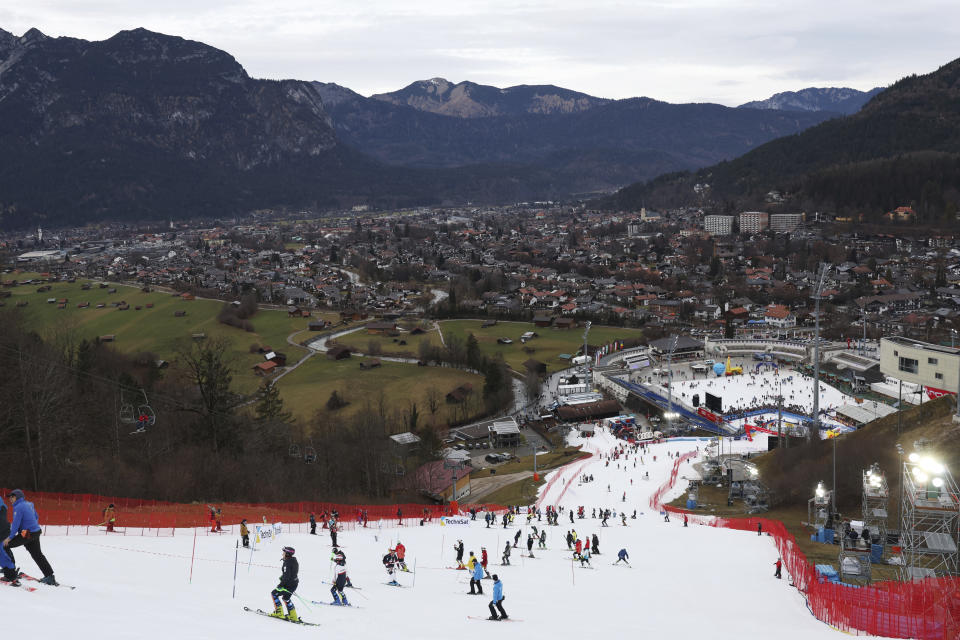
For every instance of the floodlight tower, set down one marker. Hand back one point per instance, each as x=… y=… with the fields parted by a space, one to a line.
x=673 y=346
x=818 y=507
x=816 y=354
x=876 y=495
x=930 y=515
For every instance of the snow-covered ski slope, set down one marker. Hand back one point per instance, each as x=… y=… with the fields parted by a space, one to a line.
x=696 y=582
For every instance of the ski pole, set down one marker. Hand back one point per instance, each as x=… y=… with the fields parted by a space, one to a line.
x=301 y=600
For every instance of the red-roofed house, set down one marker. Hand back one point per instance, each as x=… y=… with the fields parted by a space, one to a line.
x=780 y=316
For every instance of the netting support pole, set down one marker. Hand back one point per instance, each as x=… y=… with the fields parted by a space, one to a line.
x=193 y=553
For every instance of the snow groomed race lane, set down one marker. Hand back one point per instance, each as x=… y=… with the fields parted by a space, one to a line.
x=695 y=582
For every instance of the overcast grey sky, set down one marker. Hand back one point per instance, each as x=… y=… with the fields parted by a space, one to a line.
x=726 y=51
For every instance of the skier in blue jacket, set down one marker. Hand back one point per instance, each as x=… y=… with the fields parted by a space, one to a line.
x=622 y=555
x=497 y=600
x=25 y=531
x=475 y=580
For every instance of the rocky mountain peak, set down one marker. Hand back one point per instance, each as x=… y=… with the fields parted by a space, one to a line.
x=32 y=36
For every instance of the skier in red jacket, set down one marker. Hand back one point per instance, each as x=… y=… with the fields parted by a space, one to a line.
x=483 y=560
x=400 y=551
x=578 y=549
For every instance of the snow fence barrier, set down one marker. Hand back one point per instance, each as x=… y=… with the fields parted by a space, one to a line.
x=926 y=609
x=82 y=514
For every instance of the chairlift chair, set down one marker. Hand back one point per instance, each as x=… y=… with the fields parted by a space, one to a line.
x=309 y=455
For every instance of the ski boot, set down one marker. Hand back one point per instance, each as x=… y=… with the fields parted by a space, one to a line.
x=343 y=600
x=493 y=618
x=277 y=612
x=292 y=616
x=11 y=576
x=336 y=599
x=50 y=580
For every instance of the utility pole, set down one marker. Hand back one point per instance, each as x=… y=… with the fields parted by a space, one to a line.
x=816 y=357
x=586 y=354
x=900 y=407
x=863 y=345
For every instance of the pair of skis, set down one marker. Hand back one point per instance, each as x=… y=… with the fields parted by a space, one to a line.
x=25 y=578
x=335 y=604
x=494 y=619
x=284 y=619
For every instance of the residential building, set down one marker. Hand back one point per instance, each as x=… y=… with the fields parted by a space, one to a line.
x=780 y=317
x=785 y=222
x=754 y=221
x=718 y=225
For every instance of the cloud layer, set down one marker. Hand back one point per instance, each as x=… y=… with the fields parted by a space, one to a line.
x=677 y=50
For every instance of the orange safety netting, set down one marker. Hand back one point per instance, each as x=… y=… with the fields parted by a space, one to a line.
x=88 y=510
x=925 y=609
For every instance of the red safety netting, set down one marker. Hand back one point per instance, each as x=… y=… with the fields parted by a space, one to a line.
x=87 y=510
x=925 y=609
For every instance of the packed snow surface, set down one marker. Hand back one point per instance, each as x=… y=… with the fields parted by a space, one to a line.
x=752 y=390
x=696 y=582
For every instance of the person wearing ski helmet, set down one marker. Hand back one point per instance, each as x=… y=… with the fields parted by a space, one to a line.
x=289 y=581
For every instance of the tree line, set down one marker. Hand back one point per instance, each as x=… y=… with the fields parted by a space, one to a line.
x=64 y=426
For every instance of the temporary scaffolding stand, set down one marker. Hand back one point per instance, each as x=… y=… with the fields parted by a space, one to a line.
x=930 y=508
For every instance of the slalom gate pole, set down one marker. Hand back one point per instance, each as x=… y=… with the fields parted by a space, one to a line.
x=414 y=573
x=573 y=578
x=443 y=539
x=236 y=556
x=193 y=553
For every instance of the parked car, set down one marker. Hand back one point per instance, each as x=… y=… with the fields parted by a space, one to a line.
x=493 y=458
x=504 y=341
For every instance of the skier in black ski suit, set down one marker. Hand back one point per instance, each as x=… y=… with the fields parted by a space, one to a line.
x=459 y=549
x=288 y=584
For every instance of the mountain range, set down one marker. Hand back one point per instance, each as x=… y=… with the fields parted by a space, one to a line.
x=144 y=126
x=472 y=100
x=901 y=149
x=842 y=100
x=596 y=146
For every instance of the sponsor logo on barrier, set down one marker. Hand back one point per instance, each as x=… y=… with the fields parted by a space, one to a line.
x=709 y=415
x=933 y=393
x=455 y=521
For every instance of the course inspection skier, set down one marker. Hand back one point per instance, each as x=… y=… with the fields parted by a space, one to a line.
x=25 y=531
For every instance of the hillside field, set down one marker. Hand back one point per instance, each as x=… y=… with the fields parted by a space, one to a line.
x=548 y=344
